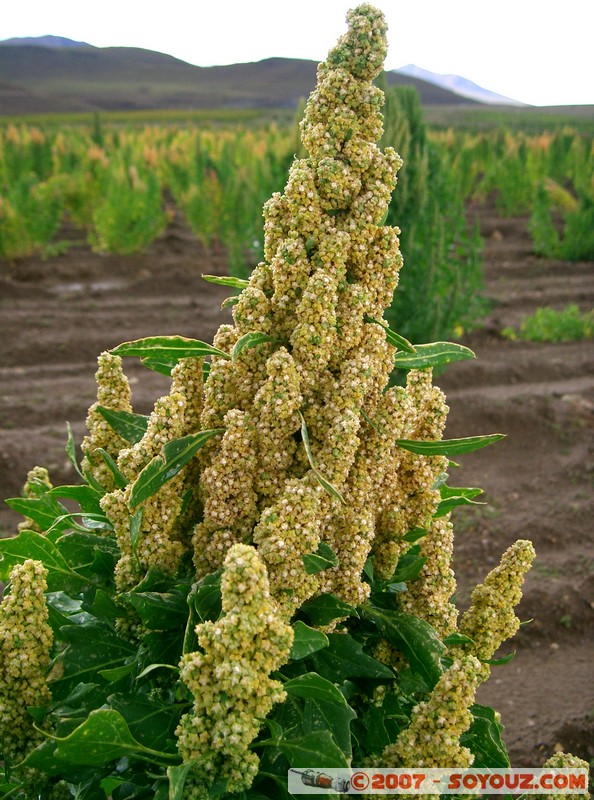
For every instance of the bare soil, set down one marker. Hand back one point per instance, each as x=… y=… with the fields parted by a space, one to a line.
x=58 y=315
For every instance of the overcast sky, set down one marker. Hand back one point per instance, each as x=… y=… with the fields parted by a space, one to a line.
x=535 y=51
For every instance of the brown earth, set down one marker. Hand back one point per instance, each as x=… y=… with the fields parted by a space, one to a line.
x=57 y=315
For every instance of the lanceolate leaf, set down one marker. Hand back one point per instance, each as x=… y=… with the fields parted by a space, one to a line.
x=225 y=280
x=452 y=496
x=169 y=348
x=394 y=338
x=449 y=447
x=119 y=479
x=251 y=339
x=164 y=366
x=175 y=455
x=318 y=475
x=436 y=354
x=130 y=427
x=71 y=450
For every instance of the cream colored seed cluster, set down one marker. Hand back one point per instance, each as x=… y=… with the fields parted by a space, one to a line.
x=329 y=264
x=37 y=480
x=408 y=498
x=429 y=596
x=25 y=644
x=157 y=544
x=491 y=620
x=229 y=679
x=228 y=496
x=113 y=392
x=564 y=761
x=432 y=738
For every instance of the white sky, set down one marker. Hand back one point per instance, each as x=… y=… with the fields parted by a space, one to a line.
x=536 y=51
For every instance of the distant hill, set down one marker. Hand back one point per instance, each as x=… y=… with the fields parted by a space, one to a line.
x=38 y=77
x=459 y=85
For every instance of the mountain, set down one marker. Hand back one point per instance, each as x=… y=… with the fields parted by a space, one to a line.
x=42 y=77
x=458 y=85
x=45 y=41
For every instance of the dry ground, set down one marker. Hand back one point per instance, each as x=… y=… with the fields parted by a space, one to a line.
x=57 y=315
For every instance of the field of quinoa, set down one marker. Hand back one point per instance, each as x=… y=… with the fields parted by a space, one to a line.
x=57 y=315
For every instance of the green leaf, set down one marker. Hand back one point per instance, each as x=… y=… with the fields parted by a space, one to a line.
x=325 y=484
x=414 y=637
x=414 y=535
x=135 y=527
x=164 y=366
x=169 y=348
x=497 y=662
x=320 y=715
x=92 y=647
x=324 y=608
x=457 y=638
x=44 y=510
x=89 y=554
x=344 y=659
x=104 y=736
x=449 y=447
x=394 y=338
x=483 y=738
x=313 y=685
x=453 y=496
x=160 y=611
x=436 y=354
x=71 y=450
x=322 y=559
x=86 y=496
x=119 y=479
x=306 y=641
x=318 y=475
x=226 y=280
x=312 y=748
x=409 y=568
x=129 y=426
x=117 y=673
x=152 y=722
x=177 y=780
x=175 y=455
x=251 y=339
x=230 y=301
x=29 y=544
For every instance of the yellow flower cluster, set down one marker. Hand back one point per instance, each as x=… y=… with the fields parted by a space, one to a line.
x=432 y=739
x=491 y=620
x=229 y=678
x=25 y=644
x=113 y=392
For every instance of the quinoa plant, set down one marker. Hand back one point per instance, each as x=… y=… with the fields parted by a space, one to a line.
x=257 y=575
